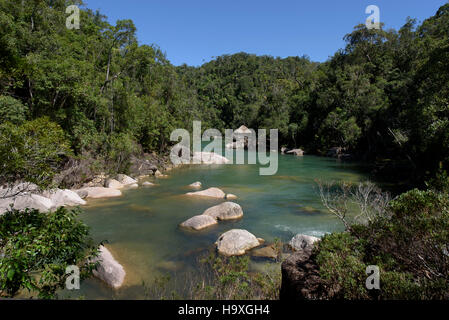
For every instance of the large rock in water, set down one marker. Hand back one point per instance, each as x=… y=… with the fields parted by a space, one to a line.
x=33 y=201
x=196 y=184
x=236 y=242
x=225 y=211
x=65 y=197
x=211 y=192
x=302 y=241
x=99 y=192
x=266 y=252
x=108 y=269
x=209 y=158
x=300 y=277
x=199 y=222
x=125 y=180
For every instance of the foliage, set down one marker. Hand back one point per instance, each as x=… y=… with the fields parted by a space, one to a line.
x=220 y=278
x=37 y=247
x=410 y=248
x=32 y=152
x=231 y=279
x=12 y=110
x=383 y=96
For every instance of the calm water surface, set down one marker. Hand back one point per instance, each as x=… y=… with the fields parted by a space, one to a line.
x=142 y=231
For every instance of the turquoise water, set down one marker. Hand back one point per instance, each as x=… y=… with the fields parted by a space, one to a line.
x=142 y=231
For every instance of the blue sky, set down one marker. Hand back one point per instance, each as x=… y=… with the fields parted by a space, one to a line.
x=195 y=31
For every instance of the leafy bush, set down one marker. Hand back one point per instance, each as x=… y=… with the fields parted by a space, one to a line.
x=36 y=248
x=12 y=110
x=411 y=249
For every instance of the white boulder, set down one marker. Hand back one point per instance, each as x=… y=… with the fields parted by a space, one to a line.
x=5 y=205
x=199 y=222
x=209 y=158
x=65 y=197
x=99 y=192
x=236 y=242
x=302 y=241
x=113 y=184
x=33 y=201
x=108 y=269
x=196 y=184
x=242 y=130
x=225 y=211
x=211 y=192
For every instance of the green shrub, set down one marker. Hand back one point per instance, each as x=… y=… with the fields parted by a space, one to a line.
x=37 y=247
x=32 y=152
x=12 y=110
x=410 y=247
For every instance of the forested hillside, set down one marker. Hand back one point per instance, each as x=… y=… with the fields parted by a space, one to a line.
x=383 y=98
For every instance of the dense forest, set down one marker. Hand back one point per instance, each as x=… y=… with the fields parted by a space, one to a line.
x=383 y=98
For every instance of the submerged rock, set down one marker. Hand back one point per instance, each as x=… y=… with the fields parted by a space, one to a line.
x=236 y=242
x=199 y=222
x=211 y=192
x=195 y=185
x=265 y=252
x=148 y=184
x=225 y=211
x=302 y=241
x=108 y=269
x=132 y=186
x=99 y=192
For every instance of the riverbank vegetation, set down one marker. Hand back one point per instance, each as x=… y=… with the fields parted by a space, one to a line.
x=220 y=278
x=36 y=248
x=96 y=96
x=407 y=241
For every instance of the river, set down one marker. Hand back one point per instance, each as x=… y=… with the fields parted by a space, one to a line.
x=142 y=230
